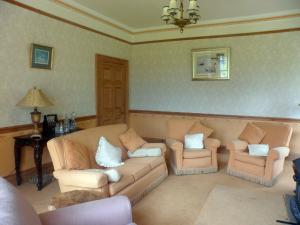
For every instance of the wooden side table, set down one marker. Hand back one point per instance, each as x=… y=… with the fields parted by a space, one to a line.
x=38 y=145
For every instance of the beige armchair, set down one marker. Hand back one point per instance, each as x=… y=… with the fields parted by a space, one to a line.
x=185 y=161
x=262 y=170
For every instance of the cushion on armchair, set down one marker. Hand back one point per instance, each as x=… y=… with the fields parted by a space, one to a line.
x=258 y=149
x=200 y=128
x=194 y=141
x=252 y=134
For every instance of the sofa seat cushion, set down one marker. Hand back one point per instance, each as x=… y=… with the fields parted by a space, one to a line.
x=192 y=154
x=125 y=181
x=153 y=162
x=254 y=160
x=137 y=170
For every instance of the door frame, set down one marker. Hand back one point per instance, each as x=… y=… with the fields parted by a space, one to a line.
x=99 y=83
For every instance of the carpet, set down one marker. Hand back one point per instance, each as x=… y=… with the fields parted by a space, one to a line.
x=236 y=206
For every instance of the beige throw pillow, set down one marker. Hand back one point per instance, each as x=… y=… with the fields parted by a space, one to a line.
x=76 y=155
x=252 y=134
x=131 y=140
x=200 y=128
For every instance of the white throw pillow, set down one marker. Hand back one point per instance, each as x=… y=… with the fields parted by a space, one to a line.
x=108 y=155
x=193 y=141
x=258 y=149
x=145 y=152
x=113 y=175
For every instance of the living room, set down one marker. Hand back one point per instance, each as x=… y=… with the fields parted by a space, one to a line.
x=169 y=84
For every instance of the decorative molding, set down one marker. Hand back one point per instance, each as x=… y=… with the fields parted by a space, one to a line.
x=245 y=21
x=64 y=20
x=276 y=119
x=213 y=24
x=23 y=127
x=85 y=13
x=219 y=36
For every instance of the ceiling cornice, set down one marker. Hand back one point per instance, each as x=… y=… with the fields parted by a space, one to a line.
x=290 y=21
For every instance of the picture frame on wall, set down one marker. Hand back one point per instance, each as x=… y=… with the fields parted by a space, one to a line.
x=41 y=56
x=211 y=64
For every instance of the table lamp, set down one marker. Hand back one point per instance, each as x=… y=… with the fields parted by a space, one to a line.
x=35 y=98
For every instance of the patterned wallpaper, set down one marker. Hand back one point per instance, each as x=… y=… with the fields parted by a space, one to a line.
x=265 y=77
x=71 y=82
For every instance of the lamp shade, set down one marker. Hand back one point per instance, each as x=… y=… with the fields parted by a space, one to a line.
x=35 y=98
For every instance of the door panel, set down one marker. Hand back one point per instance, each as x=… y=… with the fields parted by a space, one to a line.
x=111 y=90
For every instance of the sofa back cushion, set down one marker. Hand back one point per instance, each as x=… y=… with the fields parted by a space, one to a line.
x=178 y=128
x=277 y=135
x=76 y=155
x=90 y=139
x=15 y=210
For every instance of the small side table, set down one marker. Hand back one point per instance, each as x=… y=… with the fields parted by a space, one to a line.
x=38 y=145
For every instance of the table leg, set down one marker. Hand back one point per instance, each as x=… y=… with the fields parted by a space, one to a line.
x=38 y=153
x=17 y=151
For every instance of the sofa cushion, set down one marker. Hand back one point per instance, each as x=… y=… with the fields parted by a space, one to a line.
x=177 y=128
x=108 y=155
x=246 y=158
x=76 y=155
x=252 y=134
x=137 y=170
x=131 y=140
x=200 y=128
x=153 y=162
x=192 y=154
x=125 y=181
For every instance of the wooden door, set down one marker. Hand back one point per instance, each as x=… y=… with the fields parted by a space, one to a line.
x=111 y=90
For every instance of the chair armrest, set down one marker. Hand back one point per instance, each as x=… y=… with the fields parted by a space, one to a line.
x=162 y=146
x=174 y=144
x=114 y=211
x=211 y=143
x=278 y=153
x=237 y=145
x=81 y=178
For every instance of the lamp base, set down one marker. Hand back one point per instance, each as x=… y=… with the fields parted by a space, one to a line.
x=36 y=118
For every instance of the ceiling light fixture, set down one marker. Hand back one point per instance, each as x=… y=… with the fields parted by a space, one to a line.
x=173 y=15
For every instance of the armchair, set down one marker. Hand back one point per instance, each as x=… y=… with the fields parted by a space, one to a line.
x=185 y=161
x=262 y=170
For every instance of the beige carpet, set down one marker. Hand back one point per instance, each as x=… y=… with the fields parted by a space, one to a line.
x=179 y=199
x=235 y=206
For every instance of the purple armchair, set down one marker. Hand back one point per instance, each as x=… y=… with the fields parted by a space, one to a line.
x=15 y=210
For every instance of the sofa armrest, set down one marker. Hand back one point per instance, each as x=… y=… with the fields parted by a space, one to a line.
x=162 y=146
x=237 y=145
x=174 y=144
x=278 y=153
x=211 y=143
x=81 y=178
x=114 y=211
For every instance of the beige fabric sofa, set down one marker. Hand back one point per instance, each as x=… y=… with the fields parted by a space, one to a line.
x=262 y=170
x=140 y=175
x=183 y=161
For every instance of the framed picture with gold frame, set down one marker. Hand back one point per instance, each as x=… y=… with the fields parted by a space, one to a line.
x=41 y=56
x=211 y=64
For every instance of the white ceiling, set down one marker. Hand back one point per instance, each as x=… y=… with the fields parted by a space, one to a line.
x=142 y=14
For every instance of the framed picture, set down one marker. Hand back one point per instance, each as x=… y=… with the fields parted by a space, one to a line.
x=41 y=56
x=211 y=64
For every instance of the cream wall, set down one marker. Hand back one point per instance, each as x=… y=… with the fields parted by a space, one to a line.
x=70 y=84
x=264 y=80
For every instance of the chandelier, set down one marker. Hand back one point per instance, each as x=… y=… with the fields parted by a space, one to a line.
x=173 y=15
